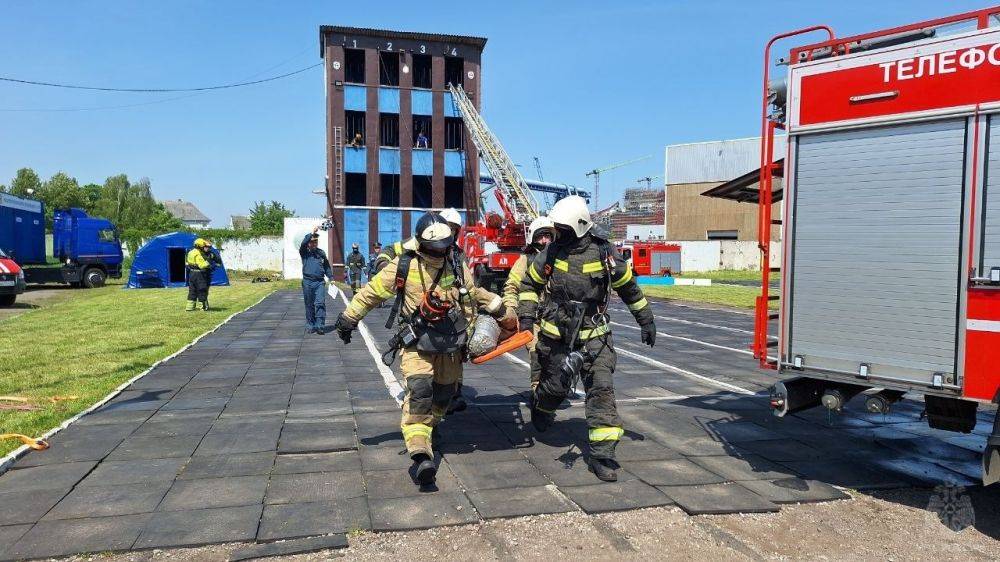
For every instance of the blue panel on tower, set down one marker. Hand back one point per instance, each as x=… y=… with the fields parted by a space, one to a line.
x=388 y=100
x=390 y=226
x=450 y=109
x=423 y=162
x=388 y=160
x=355 y=160
x=355 y=98
x=421 y=102
x=454 y=163
x=414 y=217
x=355 y=229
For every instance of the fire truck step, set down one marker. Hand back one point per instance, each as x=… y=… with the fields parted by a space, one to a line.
x=772 y=316
x=773 y=297
x=772 y=343
x=774 y=269
x=775 y=221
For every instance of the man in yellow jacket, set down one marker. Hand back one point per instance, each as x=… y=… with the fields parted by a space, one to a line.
x=438 y=302
x=200 y=262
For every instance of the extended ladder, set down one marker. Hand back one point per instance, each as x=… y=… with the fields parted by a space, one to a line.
x=338 y=167
x=508 y=179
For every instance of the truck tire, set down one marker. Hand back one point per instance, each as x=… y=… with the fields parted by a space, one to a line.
x=93 y=278
x=7 y=300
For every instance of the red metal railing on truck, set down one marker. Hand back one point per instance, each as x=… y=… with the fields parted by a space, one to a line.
x=764 y=219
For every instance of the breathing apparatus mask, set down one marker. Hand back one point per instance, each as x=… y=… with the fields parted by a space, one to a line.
x=564 y=235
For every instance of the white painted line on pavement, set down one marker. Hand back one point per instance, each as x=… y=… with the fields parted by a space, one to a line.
x=702 y=324
x=515 y=359
x=699 y=342
x=685 y=372
x=395 y=389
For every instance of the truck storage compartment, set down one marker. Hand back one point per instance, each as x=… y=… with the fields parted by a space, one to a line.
x=874 y=282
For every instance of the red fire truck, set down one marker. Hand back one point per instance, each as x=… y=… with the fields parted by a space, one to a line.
x=890 y=262
x=652 y=258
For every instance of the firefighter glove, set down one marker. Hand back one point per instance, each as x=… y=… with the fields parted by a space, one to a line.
x=648 y=333
x=344 y=327
x=525 y=323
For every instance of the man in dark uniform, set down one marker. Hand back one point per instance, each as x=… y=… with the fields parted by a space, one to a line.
x=355 y=265
x=315 y=270
x=574 y=275
x=372 y=258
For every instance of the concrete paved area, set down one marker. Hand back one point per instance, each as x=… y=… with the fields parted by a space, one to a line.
x=260 y=433
x=35 y=297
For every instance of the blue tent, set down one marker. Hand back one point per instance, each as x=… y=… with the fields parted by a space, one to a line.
x=160 y=263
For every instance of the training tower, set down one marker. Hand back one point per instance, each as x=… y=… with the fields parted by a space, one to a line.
x=389 y=86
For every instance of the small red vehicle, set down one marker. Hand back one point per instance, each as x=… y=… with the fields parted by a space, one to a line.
x=652 y=258
x=11 y=280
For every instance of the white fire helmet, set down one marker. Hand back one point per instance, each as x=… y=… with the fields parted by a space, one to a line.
x=433 y=233
x=539 y=224
x=572 y=212
x=452 y=217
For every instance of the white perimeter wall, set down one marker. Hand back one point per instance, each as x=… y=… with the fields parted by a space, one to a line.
x=710 y=255
x=296 y=229
x=264 y=252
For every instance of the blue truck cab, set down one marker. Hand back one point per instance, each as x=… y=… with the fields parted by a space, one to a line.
x=88 y=248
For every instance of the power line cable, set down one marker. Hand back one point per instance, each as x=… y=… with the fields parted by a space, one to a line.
x=157 y=90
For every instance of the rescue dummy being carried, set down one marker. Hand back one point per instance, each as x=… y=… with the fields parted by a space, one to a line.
x=436 y=302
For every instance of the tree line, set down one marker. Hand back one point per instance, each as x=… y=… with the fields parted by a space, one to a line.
x=130 y=206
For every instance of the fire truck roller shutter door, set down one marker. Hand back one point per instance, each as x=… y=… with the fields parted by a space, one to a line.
x=874 y=281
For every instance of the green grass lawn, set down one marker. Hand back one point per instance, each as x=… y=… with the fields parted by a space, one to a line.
x=89 y=344
x=724 y=275
x=727 y=295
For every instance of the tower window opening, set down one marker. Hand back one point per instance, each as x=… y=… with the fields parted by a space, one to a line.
x=388 y=68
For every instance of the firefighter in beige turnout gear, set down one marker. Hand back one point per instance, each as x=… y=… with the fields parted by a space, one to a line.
x=566 y=291
x=541 y=231
x=438 y=303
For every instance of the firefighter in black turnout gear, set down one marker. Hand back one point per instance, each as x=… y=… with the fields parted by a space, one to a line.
x=575 y=274
x=355 y=265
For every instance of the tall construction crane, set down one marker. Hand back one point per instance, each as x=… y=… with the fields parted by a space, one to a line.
x=648 y=180
x=596 y=173
x=550 y=198
x=538 y=169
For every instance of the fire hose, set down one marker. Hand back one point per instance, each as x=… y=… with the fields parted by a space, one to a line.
x=36 y=444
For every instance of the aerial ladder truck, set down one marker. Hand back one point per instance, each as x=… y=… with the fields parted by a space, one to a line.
x=494 y=244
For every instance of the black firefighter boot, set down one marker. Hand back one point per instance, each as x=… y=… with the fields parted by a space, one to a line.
x=541 y=419
x=458 y=403
x=424 y=469
x=601 y=460
x=603 y=469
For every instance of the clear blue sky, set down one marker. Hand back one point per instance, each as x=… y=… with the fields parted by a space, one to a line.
x=580 y=84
